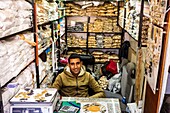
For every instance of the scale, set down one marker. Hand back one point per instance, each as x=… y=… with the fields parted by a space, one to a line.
x=34 y=101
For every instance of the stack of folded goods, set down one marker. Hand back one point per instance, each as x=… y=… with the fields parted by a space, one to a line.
x=108 y=26
x=104 y=58
x=114 y=22
x=44 y=37
x=67 y=10
x=80 y=51
x=92 y=42
x=107 y=42
x=82 y=42
x=69 y=40
x=101 y=10
x=99 y=40
x=92 y=11
x=106 y=9
x=111 y=9
x=53 y=14
x=75 y=41
x=15 y=16
x=98 y=25
x=145 y=27
x=104 y=25
x=42 y=11
x=46 y=11
x=72 y=41
x=19 y=52
x=73 y=9
x=117 y=29
x=101 y=57
x=91 y=27
x=85 y=27
x=116 y=39
x=98 y=55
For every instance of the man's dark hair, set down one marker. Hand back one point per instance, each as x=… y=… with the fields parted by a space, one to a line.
x=74 y=55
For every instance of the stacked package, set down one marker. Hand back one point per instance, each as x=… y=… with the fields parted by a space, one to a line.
x=78 y=51
x=92 y=11
x=104 y=25
x=108 y=25
x=107 y=42
x=101 y=57
x=98 y=55
x=97 y=26
x=15 y=55
x=76 y=41
x=92 y=42
x=73 y=9
x=46 y=11
x=44 y=38
x=15 y=16
x=105 y=9
x=111 y=9
x=104 y=41
x=116 y=42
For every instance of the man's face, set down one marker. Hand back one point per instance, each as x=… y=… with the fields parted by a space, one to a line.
x=75 y=66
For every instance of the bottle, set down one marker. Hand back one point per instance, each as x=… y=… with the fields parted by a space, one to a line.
x=124 y=100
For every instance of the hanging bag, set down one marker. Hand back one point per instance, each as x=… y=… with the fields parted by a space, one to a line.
x=112 y=67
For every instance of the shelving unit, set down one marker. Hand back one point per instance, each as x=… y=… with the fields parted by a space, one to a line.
x=87 y=25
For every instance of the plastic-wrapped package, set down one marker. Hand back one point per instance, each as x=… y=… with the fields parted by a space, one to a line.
x=3 y=49
x=21 y=4
x=7 y=4
x=114 y=83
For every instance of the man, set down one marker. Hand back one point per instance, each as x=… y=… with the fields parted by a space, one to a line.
x=74 y=81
